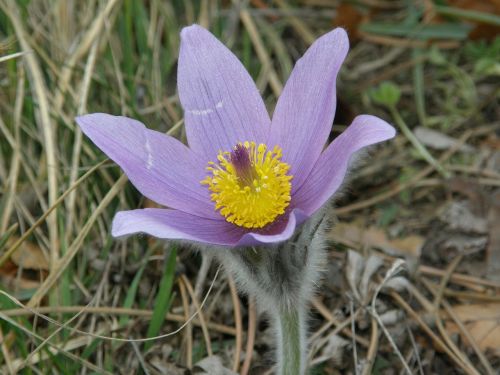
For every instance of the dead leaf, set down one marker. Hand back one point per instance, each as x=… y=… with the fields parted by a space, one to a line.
x=348 y=17
x=481 y=320
x=479 y=215
x=459 y=217
x=464 y=244
x=354 y=267
x=354 y=235
x=29 y=256
x=11 y=280
x=212 y=365
x=165 y=367
x=392 y=317
x=491 y=141
x=335 y=350
x=437 y=140
x=493 y=250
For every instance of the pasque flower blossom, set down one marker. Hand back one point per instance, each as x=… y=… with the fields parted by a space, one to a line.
x=245 y=179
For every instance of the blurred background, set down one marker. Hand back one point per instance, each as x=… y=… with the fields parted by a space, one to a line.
x=429 y=197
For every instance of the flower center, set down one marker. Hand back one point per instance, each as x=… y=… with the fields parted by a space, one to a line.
x=250 y=185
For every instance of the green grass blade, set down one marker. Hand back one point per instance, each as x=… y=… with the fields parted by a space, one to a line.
x=163 y=298
x=472 y=15
x=140 y=26
x=439 y=31
x=132 y=292
x=418 y=84
x=4 y=237
x=127 y=43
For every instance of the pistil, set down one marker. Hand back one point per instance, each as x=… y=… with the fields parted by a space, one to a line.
x=250 y=185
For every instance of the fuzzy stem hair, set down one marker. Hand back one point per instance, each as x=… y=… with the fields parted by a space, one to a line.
x=282 y=278
x=291 y=341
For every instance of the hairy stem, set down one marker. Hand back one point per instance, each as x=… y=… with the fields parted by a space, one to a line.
x=290 y=327
x=282 y=277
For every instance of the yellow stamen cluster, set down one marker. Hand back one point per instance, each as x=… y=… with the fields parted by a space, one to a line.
x=253 y=193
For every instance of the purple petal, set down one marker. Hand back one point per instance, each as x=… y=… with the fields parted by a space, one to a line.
x=221 y=103
x=173 y=224
x=159 y=166
x=331 y=167
x=303 y=116
x=277 y=233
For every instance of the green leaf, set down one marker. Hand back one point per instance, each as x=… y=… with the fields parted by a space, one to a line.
x=472 y=15
x=439 y=31
x=387 y=93
x=388 y=214
x=436 y=57
x=487 y=66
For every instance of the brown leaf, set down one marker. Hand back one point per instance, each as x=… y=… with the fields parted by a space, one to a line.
x=493 y=251
x=29 y=256
x=351 y=233
x=491 y=141
x=348 y=17
x=481 y=320
x=11 y=281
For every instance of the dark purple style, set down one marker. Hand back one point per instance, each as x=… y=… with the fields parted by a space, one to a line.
x=240 y=159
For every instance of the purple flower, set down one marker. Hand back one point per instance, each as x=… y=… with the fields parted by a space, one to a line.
x=244 y=180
